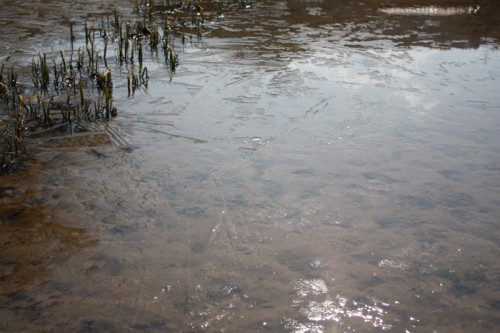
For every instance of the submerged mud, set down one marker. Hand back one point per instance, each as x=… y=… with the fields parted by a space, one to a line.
x=312 y=166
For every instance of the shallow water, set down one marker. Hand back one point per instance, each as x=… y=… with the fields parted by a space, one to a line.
x=313 y=166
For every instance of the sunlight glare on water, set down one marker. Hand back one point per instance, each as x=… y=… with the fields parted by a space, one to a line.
x=319 y=307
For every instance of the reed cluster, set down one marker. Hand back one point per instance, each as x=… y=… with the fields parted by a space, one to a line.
x=76 y=85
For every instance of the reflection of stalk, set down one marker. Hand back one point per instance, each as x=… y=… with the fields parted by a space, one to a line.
x=79 y=61
x=86 y=34
x=97 y=62
x=131 y=51
x=140 y=53
x=128 y=85
x=127 y=41
x=90 y=53
x=3 y=87
x=70 y=67
x=97 y=108
x=105 y=51
x=118 y=24
x=71 y=36
x=56 y=77
x=145 y=77
x=63 y=58
x=149 y=10
x=120 y=44
x=80 y=87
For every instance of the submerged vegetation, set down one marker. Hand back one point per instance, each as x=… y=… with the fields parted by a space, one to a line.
x=76 y=85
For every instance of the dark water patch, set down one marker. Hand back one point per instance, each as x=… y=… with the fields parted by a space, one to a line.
x=112 y=265
x=198 y=246
x=453 y=175
x=372 y=282
x=353 y=186
x=156 y=324
x=297 y=259
x=148 y=213
x=57 y=288
x=463 y=215
x=19 y=299
x=465 y=281
x=431 y=235
x=422 y=164
x=237 y=201
x=11 y=191
x=193 y=212
x=23 y=305
x=487 y=209
x=469 y=275
x=115 y=266
x=417 y=201
x=378 y=176
x=304 y=172
x=371 y=258
x=454 y=199
x=6 y=269
x=294 y=262
x=399 y=219
x=494 y=304
x=387 y=222
x=11 y=214
x=492 y=166
x=460 y=289
x=98 y=325
x=96 y=153
x=124 y=229
x=455 y=152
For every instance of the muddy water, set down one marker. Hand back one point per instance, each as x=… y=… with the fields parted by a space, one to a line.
x=313 y=166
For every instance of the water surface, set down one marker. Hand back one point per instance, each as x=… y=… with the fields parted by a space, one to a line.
x=313 y=166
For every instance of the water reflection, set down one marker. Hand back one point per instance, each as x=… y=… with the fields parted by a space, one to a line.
x=463 y=24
